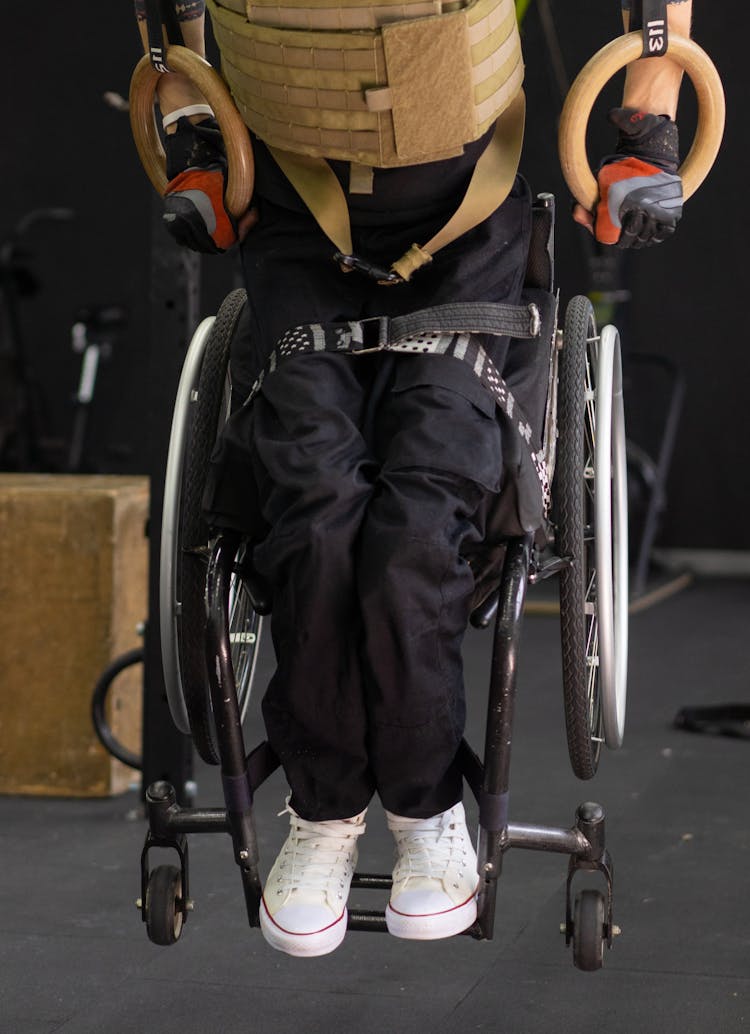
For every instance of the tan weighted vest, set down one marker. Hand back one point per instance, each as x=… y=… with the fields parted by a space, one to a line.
x=380 y=83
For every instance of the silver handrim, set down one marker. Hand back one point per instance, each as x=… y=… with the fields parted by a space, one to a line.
x=169 y=605
x=244 y=623
x=611 y=536
x=245 y=627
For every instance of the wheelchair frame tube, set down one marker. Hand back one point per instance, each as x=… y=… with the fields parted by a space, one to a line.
x=234 y=768
x=548 y=838
x=493 y=798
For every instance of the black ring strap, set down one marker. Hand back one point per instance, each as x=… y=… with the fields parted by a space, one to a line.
x=650 y=17
x=161 y=16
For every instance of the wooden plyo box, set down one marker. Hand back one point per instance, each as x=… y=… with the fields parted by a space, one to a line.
x=73 y=590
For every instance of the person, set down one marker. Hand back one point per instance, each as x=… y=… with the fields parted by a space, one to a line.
x=362 y=480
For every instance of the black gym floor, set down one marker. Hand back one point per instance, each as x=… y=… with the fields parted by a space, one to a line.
x=74 y=957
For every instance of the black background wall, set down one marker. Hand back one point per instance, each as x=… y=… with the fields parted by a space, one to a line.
x=63 y=145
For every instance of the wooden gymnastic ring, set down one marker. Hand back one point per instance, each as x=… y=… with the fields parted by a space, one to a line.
x=241 y=172
x=587 y=87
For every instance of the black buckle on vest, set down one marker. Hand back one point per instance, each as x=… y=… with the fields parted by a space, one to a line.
x=354 y=262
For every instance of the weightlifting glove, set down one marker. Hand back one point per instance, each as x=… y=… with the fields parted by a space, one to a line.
x=194 y=212
x=640 y=192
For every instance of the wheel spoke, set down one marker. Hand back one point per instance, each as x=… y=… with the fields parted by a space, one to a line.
x=592 y=654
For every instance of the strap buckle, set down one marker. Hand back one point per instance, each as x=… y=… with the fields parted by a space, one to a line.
x=373 y=336
x=384 y=277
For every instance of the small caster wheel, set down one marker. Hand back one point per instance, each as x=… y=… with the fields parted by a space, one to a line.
x=589 y=930
x=163 y=906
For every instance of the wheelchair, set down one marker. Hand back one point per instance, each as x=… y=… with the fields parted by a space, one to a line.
x=213 y=607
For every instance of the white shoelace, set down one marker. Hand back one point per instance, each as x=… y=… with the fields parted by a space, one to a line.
x=429 y=848
x=317 y=856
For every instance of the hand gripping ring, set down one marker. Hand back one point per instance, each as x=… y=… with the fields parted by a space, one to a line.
x=587 y=87
x=241 y=172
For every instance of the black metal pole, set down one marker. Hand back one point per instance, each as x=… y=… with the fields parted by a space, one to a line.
x=234 y=766
x=493 y=801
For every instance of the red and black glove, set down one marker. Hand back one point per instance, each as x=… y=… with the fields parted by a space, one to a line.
x=640 y=192
x=194 y=212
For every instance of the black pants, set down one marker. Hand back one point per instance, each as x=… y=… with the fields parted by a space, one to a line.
x=369 y=474
x=369 y=502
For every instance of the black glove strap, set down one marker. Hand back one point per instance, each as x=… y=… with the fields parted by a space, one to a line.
x=650 y=16
x=161 y=15
x=194 y=146
x=653 y=138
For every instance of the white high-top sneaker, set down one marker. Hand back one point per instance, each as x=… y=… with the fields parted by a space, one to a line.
x=435 y=879
x=303 y=909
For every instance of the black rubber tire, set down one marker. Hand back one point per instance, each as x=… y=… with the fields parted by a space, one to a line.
x=574 y=519
x=193 y=533
x=588 y=930
x=99 y=709
x=163 y=905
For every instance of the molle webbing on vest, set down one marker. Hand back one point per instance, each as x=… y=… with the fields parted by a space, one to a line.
x=385 y=84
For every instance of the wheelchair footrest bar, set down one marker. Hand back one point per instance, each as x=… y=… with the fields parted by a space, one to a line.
x=371 y=881
x=362 y=919
x=374 y=922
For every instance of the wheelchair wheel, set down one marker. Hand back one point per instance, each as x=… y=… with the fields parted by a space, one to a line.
x=202 y=408
x=591 y=518
x=163 y=905
x=588 y=931
x=574 y=515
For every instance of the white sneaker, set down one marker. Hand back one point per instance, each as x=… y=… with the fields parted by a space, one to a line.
x=303 y=909
x=435 y=879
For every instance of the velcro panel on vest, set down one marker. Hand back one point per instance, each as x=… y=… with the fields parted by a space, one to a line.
x=335 y=93
x=430 y=81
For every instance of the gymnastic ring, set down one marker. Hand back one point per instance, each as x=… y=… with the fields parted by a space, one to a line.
x=241 y=171
x=589 y=84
